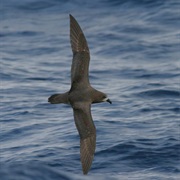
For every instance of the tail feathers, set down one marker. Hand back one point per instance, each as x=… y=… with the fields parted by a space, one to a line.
x=58 y=98
x=53 y=99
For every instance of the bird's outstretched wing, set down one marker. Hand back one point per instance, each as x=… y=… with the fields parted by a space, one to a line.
x=81 y=56
x=87 y=132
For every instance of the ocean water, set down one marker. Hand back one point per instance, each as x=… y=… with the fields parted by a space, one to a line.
x=135 y=52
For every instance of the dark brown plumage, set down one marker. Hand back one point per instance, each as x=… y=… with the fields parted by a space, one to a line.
x=81 y=95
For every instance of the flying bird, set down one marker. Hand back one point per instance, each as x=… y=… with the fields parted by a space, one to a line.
x=81 y=95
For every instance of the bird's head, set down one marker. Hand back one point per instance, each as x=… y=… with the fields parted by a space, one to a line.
x=99 y=97
x=106 y=99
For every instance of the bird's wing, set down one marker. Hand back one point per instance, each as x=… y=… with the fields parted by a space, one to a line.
x=81 y=55
x=87 y=132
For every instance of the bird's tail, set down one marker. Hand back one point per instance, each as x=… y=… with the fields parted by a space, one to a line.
x=58 y=98
x=53 y=99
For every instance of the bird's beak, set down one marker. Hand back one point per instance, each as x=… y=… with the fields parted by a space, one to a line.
x=109 y=101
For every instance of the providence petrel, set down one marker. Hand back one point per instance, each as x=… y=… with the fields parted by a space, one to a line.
x=81 y=95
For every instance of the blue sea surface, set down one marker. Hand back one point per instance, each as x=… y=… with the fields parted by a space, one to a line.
x=135 y=59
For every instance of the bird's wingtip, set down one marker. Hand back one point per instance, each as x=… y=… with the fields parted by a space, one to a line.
x=70 y=16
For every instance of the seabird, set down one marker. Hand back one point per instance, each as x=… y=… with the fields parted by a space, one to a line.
x=81 y=95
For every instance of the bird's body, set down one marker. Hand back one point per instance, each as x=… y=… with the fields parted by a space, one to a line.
x=81 y=95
